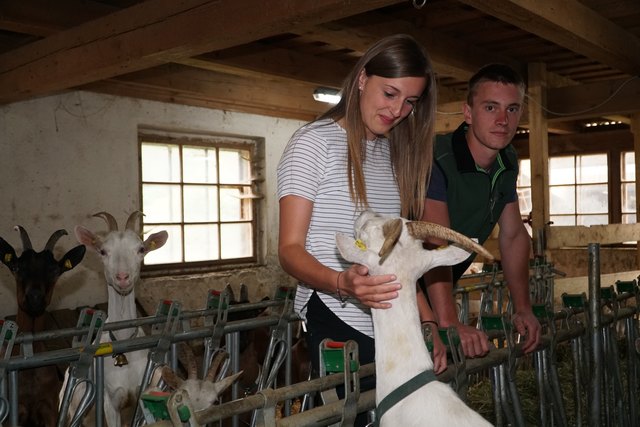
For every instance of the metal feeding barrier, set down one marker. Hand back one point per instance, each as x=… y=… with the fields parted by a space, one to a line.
x=604 y=394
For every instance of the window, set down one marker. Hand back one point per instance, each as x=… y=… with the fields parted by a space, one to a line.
x=202 y=193
x=628 y=187
x=524 y=191
x=578 y=193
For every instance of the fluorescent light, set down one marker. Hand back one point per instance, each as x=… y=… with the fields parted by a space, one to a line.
x=327 y=94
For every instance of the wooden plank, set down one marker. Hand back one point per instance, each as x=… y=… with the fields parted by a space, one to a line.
x=578 y=285
x=635 y=130
x=156 y=32
x=571 y=236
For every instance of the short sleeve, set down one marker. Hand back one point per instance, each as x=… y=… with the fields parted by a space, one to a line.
x=437 y=185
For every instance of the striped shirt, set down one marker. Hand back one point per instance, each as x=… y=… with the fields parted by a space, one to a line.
x=314 y=166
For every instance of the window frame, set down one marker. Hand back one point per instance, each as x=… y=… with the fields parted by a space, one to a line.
x=255 y=146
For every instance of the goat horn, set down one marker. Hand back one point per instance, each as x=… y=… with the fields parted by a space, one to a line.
x=422 y=230
x=190 y=361
x=26 y=242
x=111 y=221
x=391 y=231
x=218 y=360
x=132 y=220
x=54 y=239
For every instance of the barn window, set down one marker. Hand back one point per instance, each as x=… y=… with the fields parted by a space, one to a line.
x=628 y=187
x=578 y=193
x=524 y=190
x=201 y=191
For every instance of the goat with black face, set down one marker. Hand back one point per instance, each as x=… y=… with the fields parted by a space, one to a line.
x=36 y=275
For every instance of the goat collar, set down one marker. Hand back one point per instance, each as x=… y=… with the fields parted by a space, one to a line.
x=422 y=379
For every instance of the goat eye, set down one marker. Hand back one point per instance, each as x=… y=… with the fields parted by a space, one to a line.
x=141 y=250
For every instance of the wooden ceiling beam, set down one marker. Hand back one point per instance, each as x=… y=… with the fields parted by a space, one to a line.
x=153 y=33
x=571 y=24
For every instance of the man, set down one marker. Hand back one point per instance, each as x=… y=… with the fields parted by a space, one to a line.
x=473 y=187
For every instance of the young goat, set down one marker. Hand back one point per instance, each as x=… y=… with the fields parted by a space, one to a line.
x=122 y=253
x=36 y=274
x=394 y=246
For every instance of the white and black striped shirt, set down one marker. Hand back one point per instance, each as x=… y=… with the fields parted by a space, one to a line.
x=314 y=166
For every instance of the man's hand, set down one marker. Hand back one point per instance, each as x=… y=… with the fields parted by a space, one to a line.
x=475 y=343
x=527 y=325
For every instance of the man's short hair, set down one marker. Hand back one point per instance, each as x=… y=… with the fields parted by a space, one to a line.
x=498 y=73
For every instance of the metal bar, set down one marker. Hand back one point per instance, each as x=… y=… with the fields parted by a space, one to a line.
x=595 y=336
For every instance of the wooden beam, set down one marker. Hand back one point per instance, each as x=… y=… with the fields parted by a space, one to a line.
x=635 y=130
x=571 y=24
x=175 y=83
x=539 y=154
x=612 y=97
x=563 y=236
x=152 y=33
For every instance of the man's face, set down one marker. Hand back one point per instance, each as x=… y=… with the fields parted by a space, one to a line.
x=494 y=116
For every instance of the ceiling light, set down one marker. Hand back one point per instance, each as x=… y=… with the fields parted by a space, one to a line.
x=327 y=94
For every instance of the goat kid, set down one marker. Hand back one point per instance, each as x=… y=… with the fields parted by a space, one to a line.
x=122 y=253
x=388 y=245
x=36 y=275
x=200 y=393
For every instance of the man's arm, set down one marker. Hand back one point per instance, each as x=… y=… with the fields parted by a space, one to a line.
x=439 y=287
x=515 y=248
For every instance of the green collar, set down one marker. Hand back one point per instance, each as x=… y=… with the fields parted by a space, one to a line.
x=422 y=379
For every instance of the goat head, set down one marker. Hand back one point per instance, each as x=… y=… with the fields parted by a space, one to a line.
x=36 y=273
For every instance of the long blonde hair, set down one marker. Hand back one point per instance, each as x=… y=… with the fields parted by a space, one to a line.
x=411 y=140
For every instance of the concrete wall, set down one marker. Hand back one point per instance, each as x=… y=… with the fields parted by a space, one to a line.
x=66 y=157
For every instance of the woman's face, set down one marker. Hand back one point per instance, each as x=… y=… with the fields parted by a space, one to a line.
x=386 y=102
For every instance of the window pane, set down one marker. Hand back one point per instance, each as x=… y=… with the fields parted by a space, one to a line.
x=592 y=199
x=628 y=171
x=199 y=165
x=161 y=203
x=200 y=242
x=171 y=251
x=629 y=218
x=235 y=204
x=237 y=241
x=200 y=203
x=563 y=219
x=235 y=166
x=561 y=170
x=524 y=200
x=160 y=163
x=588 y=220
x=524 y=174
x=562 y=200
x=629 y=197
x=592 y=168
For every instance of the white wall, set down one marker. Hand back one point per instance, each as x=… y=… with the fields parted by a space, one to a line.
x=66 y=157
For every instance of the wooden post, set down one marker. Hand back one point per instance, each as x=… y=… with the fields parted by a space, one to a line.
x=538 y=150
x=635 y=130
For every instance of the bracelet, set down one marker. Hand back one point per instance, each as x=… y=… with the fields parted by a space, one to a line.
x=429 y=321
x=342 y=299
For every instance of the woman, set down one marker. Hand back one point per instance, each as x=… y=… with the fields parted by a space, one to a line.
x=372 y=150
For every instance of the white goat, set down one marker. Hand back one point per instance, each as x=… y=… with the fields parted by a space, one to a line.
x=197 y=394
x=122 y=253
x=387 y=245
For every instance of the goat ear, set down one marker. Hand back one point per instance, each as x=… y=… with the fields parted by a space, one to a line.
x=72 y=258
x=351 y=250
x=87 y=238
x=224 y=383
x=155 y=241
x=171 y=378
x=7 y=254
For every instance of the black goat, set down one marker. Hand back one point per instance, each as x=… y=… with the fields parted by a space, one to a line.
x=36 y=274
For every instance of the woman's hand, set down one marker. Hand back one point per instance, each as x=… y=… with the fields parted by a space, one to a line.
x=372 y=291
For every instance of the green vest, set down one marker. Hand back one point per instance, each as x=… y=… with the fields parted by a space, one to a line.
x=475 y=198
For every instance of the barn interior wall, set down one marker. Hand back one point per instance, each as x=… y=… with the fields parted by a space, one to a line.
x=67 y=156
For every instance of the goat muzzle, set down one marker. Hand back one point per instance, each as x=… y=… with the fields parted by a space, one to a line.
x=423 y=230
